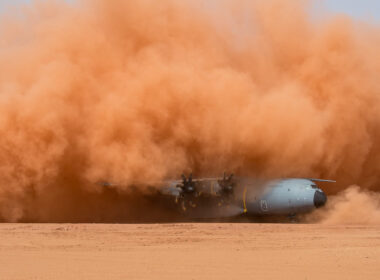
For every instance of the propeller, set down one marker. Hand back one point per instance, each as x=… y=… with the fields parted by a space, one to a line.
x=187 y=184
x=227 y=183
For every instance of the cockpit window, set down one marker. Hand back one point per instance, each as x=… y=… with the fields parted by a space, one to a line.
x=314 y=186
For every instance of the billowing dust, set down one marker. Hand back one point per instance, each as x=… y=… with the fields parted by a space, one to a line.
x=351 y=206
x=130 y=91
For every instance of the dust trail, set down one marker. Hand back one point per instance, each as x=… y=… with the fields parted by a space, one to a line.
x=131 y=91
x=351 y=206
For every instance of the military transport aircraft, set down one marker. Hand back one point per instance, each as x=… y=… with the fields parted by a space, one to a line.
x=231 y=196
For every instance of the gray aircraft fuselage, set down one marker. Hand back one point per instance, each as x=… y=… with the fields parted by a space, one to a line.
x=254 y=197
x=283 y=197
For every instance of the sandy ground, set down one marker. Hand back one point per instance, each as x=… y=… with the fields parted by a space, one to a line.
x=188 y=251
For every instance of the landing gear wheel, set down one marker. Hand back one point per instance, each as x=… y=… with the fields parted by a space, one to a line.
x=293 y=218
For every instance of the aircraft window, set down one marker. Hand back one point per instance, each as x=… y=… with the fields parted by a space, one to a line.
x=314 y=186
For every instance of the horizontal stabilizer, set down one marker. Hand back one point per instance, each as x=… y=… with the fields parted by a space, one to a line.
x=321 y=180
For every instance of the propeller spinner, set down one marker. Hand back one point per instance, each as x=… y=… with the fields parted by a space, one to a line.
x=187 y=184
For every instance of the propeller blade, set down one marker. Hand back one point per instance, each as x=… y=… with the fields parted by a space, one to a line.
x=184 y=178
x=230 y=177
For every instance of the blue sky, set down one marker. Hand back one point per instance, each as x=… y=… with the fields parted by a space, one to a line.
x=361 y=9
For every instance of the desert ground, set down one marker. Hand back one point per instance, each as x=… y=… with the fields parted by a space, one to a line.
x=188 y=251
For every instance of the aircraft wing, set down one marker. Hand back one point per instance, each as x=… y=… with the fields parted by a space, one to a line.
x=194 y=180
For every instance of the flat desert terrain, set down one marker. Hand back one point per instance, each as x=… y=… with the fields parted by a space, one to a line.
x=188 y=251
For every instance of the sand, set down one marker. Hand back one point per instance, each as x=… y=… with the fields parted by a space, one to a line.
x=188 y=251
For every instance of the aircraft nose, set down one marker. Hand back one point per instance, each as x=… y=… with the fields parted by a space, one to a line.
x=319 y=199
